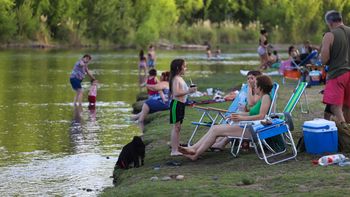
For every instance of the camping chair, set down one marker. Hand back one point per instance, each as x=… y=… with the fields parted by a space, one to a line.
x=211 y=115
x=236 y=142
x=294 y=99
x=286 y=116
x=261 y=133
x=296 y=71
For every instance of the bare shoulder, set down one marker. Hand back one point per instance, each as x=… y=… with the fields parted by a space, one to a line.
x=328 y=36
x=266 y=97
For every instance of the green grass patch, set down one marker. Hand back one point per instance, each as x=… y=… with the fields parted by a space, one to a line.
x=220 y=174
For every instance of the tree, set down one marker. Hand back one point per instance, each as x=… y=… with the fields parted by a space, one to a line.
x=7 y=20
x=159 y=15
x=27 y=23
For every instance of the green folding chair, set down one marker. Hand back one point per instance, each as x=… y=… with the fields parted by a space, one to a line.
x=297 y=93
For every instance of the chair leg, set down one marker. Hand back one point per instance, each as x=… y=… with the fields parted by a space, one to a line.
x=195 y=129
x=235 y=153
x=306 y=103
x=293 y=156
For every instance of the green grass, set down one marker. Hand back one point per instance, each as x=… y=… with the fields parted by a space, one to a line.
x=219 y=174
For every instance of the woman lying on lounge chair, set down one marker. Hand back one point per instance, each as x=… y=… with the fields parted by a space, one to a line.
x=258 y=111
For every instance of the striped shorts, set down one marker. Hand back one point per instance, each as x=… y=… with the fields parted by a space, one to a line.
x=177 y=111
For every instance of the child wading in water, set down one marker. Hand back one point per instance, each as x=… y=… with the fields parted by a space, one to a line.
x=142 y=66
x=92 y=94
x=179 y=91
x=79 y=71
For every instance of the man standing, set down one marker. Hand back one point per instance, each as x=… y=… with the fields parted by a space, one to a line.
x=335 y=52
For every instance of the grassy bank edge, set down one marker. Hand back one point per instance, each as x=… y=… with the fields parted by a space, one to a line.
x=219 y=174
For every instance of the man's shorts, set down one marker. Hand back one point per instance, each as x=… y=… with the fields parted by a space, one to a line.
x=76 y=83
x=337 y=90
x=177 y=111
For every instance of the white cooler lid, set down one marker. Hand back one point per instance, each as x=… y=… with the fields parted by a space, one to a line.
x=318 y=123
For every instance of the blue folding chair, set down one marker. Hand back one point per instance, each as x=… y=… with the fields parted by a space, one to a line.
x=236 y=141
x=261 y=133
x=212 y=116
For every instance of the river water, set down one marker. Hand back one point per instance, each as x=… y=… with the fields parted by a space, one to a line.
x=48 y=147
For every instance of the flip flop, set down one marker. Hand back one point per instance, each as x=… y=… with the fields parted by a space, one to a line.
x=173 y=163
x=213 y=149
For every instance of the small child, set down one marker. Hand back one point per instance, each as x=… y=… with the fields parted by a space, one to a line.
x=142 y=64
x=92 y=93
x=152 y=80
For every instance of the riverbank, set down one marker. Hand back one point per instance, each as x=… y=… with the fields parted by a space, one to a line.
x=282 y=47
x=218 y=173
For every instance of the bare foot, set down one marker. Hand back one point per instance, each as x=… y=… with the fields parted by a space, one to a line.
x=186 y=151
x=133 y=118
x=192 y=157
x=176 y=153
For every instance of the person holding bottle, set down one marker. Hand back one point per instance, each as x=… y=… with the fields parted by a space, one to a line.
x=179 y=92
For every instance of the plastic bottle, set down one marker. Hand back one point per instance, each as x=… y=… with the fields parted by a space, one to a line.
x=242 y=102
x=331 y=159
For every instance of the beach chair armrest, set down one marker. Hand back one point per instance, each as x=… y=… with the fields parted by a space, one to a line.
x=217 y=109
x=210 y=109
x=199 y=107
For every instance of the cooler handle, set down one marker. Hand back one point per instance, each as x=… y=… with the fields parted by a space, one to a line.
x=323 y=127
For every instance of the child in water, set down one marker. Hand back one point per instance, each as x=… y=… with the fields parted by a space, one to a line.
x=142 y=65
x=92 y=94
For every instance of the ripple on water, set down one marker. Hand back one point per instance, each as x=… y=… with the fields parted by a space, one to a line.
x=67 y=176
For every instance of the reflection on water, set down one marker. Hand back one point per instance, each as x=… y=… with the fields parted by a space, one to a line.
x=50 y=147
x=71 y=175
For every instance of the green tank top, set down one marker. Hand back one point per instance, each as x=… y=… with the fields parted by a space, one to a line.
x=339 y=52
x=255 y=110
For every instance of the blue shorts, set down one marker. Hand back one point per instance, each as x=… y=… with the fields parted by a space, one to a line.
x=150 y=63
x=156 y=105
x=76 y=83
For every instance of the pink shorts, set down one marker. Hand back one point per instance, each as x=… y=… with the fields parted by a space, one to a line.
x=337 y=90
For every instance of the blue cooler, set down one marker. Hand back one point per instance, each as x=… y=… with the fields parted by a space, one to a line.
x=320 y=136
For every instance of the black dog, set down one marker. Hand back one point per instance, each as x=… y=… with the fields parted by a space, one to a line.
x=132 y=153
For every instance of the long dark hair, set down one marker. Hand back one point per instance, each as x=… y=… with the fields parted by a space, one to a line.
x=141 y=55
x=175 y=69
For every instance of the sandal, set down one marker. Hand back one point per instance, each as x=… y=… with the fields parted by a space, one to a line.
x=213 y=149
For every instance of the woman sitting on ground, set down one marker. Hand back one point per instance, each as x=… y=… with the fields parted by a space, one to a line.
x=154 y=105
x=257 y=112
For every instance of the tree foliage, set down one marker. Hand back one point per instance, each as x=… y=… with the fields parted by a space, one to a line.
x=139 y=22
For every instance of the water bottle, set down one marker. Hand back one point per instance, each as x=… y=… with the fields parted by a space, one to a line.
x=331 y=159
x=242 y=102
